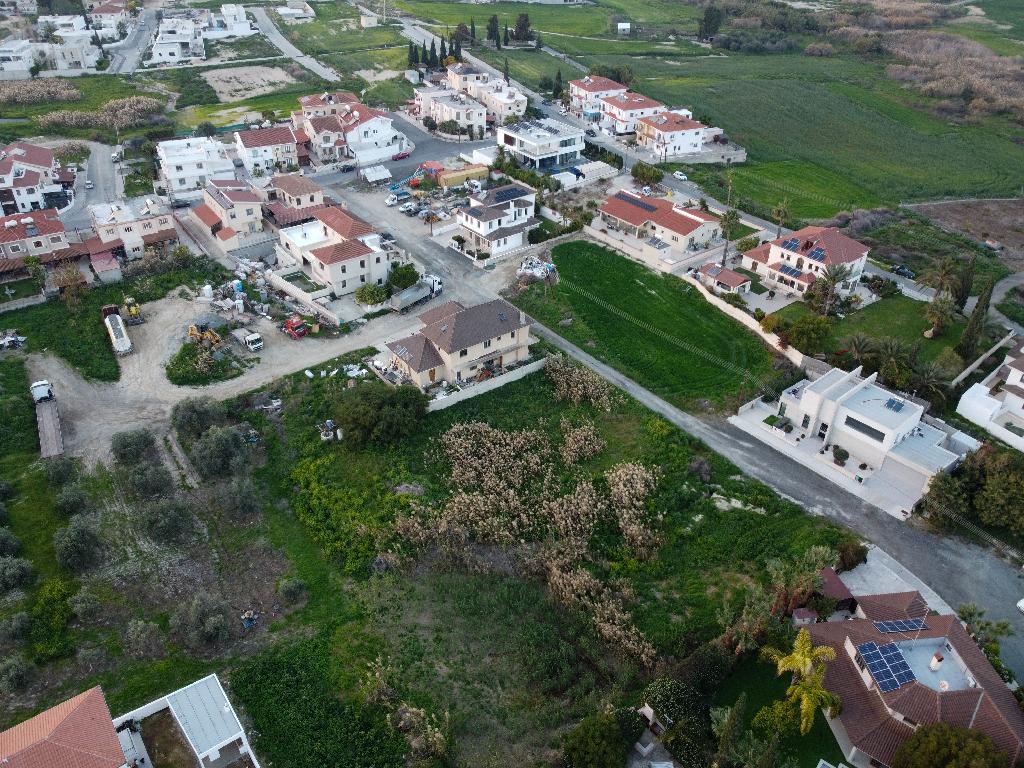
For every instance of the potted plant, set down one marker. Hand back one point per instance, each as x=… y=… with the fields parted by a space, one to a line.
x=840 y=455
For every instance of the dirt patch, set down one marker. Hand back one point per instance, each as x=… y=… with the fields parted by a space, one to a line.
x=377 y=75
x=999 y=220
x=238 y=83
x=165 y=743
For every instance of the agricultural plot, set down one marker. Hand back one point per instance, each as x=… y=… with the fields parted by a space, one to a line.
x=592 y=21
x=527 y=66
x=587 y=49
x=654 y=328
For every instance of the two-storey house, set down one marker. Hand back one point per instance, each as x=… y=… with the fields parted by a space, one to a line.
x=585 y=96
x=670 y=134
x=542 y=143
x=796 y=260
x=128 y=227
x=619 y=113
x=232 y=212
x=28 y=173
x=498 y=220
x=264 y=150
x=445 y=105
x=186 y=165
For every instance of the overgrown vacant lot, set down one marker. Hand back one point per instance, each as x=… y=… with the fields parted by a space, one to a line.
x=592 y=278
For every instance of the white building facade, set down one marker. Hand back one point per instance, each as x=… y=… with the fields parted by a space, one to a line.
x=670 y=134
x=585 y=96
x=498 y=220
x=264 y=150
x=177 y=41
x=796 y=260
x=997 y=403
x=186 y=165
x=133 y=223
x=444 y=105
x=543 y=143
x=620 y=112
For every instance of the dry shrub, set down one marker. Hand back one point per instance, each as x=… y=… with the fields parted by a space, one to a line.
x=578 y=384
x=820 y=49
x=579 y=442
x=424 y=733
x=629 y=486
x=38 y=91
x=118 y=114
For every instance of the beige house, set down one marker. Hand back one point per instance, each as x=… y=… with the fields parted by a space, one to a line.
x=133 y=225
x=231 y=211
x=461 y=344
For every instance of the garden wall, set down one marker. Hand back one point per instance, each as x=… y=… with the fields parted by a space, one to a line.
x=275 y=281
x=487 y=386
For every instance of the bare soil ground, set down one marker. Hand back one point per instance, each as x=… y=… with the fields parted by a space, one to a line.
x=1001 y=220
x=375 y=75
x=237 y=83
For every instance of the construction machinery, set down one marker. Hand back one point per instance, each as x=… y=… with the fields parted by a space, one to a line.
x=295 y=327
x=131 y=312
x=414 y=176
x=204 y=335
x=51 y=439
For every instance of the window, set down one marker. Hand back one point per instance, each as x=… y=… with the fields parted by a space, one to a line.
x=38 y=244
x=55 y=239
x=343 y=270
x=147 y=225
x=463 y=353
x=362 y=278
x=344 y=283
x=127 y=229
x=487 y=344
x=859 y=426
x=362 y=263
x=378 y=260
x=15 y=248
x=513 y=334
x=806 y=421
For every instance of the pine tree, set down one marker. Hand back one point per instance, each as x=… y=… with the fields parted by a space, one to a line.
x=968 y=344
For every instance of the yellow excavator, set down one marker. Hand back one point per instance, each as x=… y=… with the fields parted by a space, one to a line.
x=204 y=335
x=131 y=313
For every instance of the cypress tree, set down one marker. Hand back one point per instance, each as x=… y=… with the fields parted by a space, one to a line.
x=433 y=53
x=505 y=38
x=412 y=54
x=556 y=90
x=424 y=56
x=472 y=29
x=444 y=51
x=968 y=343
x=504 y=71
x=457 y=53
x=963 y=291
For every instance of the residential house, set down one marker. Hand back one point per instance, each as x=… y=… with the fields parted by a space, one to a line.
x=723 y=279
x=500 y=99
x=40 y=234
x=107 y=16
x=28 y=177
x=292 y=199
x=337 y=127
x=445 y=105
x=585 y=96
x=128 y=227
x=461 y=77
x=997 y=402
x=178 y=40
x=71 y=49
x=458 y=343
x=670 y=133
x=16 y=7
x=186 y=165
x=17 y=58
x=498 y=220
x=230 y=22
x=337 y=250
x=620 y=112
x=898 y=667
x=323 y=104
x=264 y=150
x=883 y=430
x=542 y=143
x=76 y=733
x=796 y=260
x=677 y=231
x=296 y=12
x=232 y=213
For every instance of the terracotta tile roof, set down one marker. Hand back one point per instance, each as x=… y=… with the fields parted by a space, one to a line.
x=206 y=214
x=266 y=137
x=44 y=221
x=95 y=245
x=637 y=211
x=284 y=214
x=440 y=312
x=595 y=83
x=668 y=122
x=893 y=605
x=342 y=222
x=28 y=178
x=474 y=325
x=111 y=9
x=295 y=184
x=325 y=99
x=325 y=124
x=77 y=733
x=417 y=352
x=344 y=251
x=724 y=275
x=760 y=253
x=104 y=262
x=160 y=236
x=226 y=234
x=832 y=586
x=29 y=154
x=631 y=101
x=839 y=249
x=242 y=196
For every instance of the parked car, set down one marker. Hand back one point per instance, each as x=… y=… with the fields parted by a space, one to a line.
x=406 y=207
x=903 y=271
x=179 y=204
x=1020 y=605
x=424 y=213
x=89 y=184
x=547 y=102
x=347 y=168
x=443 y=215
x=591 y=133
x=679 y=176
x=401 y=155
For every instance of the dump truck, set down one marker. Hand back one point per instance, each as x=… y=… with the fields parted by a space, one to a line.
x=51 y=439
x=295 y=327
x=425 y=289
x=248 y=338
x=117 y=330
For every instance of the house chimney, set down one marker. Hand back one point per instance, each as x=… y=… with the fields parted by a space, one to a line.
x=936 y=662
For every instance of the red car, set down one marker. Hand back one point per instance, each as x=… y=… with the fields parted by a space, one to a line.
x=401 y=156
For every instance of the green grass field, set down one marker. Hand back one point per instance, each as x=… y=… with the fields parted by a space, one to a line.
x=585 y=49
x=996 y=40
x=899 y=317
x=527 y=66
x=1005 y=13
x=718 y=358
x=18 y=289
x=592 y=21
x=255 y=47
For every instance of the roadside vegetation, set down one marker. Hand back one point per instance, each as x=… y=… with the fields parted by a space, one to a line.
x=194 y=365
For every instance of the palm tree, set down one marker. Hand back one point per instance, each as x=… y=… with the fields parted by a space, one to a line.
x=939 y=313
x=944 y=277
x=891 y=350
x=781 y=215
x=730 y=177
x=729 y=223
x=802 y=659
x=830 y=278
x=808 y=691
x=861 y=347
x=929 y=381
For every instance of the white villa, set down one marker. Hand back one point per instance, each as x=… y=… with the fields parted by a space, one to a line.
x=178 y=40
x=230 y=22
x=794 y=261
x=586 y=94
x=186 y=165
x=671 y=133
x=443 y=104
x=72 y=50
x=498 y=220
x=997 y=403
x=337 y=126
x=621 y=111
x=132 y=224
x=500 y=99
x=543 y=143
x=28 y=173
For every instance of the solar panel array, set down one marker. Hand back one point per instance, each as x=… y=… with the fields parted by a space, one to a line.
x=791 y=271
x=509 y=193
x=887 y=665
x=894 y=405
x=792 y=244
x=641 y=204
x=900 y=625
x=818 y=254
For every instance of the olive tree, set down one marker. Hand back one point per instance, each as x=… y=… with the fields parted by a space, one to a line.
x=132 y=446
x=202 y=621
x=78 y=545
x=15 y=572
x=221 y=450
x=9 y=543
x=193 y=415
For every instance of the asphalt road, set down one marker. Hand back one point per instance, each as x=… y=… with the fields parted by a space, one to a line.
x=273 y=34
x=127 y=55
x=100 y=170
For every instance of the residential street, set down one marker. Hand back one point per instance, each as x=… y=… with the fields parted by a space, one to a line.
x=272 y=33
x=959 y=571
x=106 y=186
x=127 y=54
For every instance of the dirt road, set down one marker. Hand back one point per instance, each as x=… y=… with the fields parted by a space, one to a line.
x=92 y=411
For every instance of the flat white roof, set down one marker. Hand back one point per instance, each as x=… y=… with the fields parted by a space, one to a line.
x=882 y=406
x=205 y=715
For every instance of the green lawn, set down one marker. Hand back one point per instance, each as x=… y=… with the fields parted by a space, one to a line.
x=996 y=40
x=586 y=49
x=1013 y=306
x=18 y=289
x=336 y=27
x=1005 y=13
x=597 y=284
x=527 y=66
x=762 y=686
x=592 y=21
x=899 y=317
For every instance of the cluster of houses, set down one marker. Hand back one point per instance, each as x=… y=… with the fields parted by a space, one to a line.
x=471 y=99
x=32 y=179
x=181 y=35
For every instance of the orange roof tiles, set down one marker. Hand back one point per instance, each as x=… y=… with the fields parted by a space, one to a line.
x=595 y=83
x=343 y=222
x=668 y=122
x=839 y=249
x=206 y=214
x=637 y=211
x=343 y=251
x=630 y=101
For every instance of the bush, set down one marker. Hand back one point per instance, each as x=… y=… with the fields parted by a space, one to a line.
x=706 y=668
x=6 y=490
x=376 y=413
x=60 y=470
x=78 y=545
x=15 y=572
x=773 y=323
x=402 y=276
x=759 y=314
x=143 y=639
x=150 y=480
x=852 y=552
x=51 y=614
x=85 y=605
x=840 y=454
x=371 y=294
x=238 y=499
x=9 y=543
x=747 y=243
x=221 y=450
x=133 y=446
x=72 y=500
x=168 y=521
x=15 y=627
x=673 y=702
x=430 y=123
x=647 y=174
x=292 y=590
x=942 y=744
x=15 y=673
x=631 y=724
x=194 y=415
x=202 y=621
x=820 y=49
x=596 y=742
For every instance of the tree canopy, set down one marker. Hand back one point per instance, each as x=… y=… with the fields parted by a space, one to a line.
x=940 y=745
x=376 y=413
